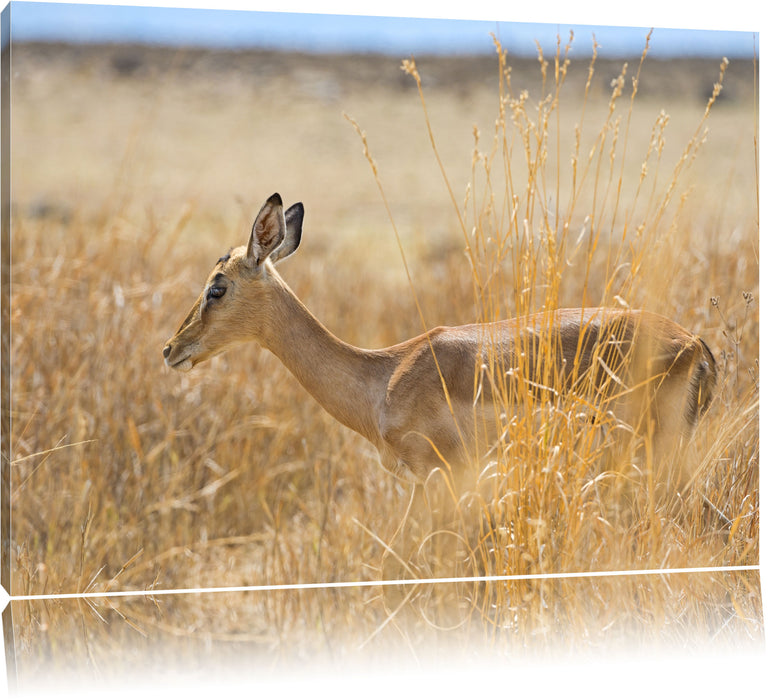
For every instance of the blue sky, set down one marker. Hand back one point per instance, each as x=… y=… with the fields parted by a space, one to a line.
x=300 y=30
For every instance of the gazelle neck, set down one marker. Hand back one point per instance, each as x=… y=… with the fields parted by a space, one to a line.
x=345 y=380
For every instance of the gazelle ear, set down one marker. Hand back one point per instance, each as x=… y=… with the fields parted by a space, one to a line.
x=268 y=231
x=294 y=216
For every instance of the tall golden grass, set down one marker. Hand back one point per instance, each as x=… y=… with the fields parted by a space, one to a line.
x=130 y=477
x=559 y=496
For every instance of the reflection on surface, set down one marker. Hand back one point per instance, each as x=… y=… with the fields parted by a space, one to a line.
x=268 y=635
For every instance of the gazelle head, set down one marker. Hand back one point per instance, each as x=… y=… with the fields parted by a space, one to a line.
x=236 y=303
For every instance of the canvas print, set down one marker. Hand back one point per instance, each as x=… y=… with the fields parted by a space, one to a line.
x=336 y=342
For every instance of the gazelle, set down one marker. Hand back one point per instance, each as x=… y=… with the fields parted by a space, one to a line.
x=428 y=401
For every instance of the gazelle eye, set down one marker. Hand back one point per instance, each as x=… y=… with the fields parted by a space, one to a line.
x=216 y=292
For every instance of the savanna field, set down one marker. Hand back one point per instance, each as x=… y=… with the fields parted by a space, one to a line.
x=471 y=190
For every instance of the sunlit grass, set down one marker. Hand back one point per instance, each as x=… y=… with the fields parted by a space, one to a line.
x=569 y=487
x=128 y=476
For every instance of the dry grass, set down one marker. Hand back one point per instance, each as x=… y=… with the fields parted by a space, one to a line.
x=127 y=476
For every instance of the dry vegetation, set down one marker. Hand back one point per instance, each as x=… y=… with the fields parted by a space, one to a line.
x=134 y=170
